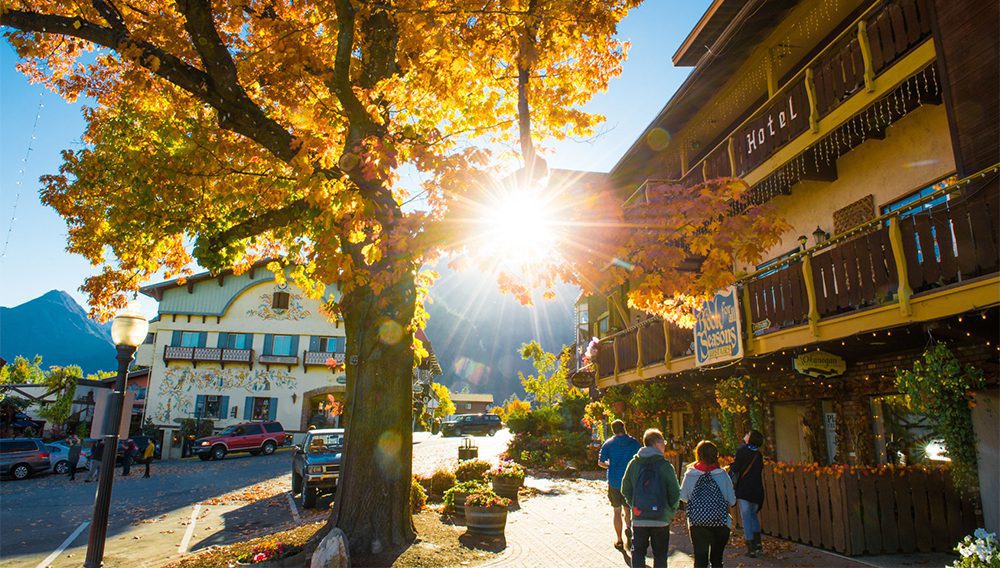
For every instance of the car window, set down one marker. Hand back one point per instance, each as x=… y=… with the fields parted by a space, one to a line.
x=319 y=443
x=253 y=430
x=273 y=427
x=18 y=446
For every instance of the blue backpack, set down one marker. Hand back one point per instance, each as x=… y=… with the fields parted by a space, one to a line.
x=650 y=496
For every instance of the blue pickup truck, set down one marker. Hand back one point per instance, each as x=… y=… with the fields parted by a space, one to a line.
x=316 y=464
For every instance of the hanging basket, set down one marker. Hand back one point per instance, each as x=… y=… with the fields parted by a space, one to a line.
x=486 y=520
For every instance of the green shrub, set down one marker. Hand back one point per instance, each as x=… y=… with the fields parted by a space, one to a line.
x=441 y=481
x=548 y=420
x=463 y=487
x=472 y=470
x=520 y=422
x=418 y=499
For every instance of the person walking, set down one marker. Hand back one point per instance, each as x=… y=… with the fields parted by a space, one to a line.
x=129 y=451
x=147 y=456
x=96 y=455
x=747 y=474
x=708 y=493
x=615 y=454
x=650 y=489
x=74 y=455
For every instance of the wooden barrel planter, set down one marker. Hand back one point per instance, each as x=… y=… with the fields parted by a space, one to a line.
x=486 y=520
x=460 y=502
x=507 y=487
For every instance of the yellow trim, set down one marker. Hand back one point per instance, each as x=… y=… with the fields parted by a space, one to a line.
x=917 y=59
x=813 y=107
x=772 y=81
x=614 y=347
x=638 y=350
x=977 y=294
x=747 y=317
x=666 y=341
x=807 y=278
x=904 y=292
x=866 y=55
x=731 y=149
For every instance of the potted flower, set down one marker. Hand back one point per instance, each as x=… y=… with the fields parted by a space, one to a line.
x=454 y=498
x=486 y=512
x=507 y=477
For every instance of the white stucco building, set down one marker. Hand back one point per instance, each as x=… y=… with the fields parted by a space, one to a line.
x=234 y=348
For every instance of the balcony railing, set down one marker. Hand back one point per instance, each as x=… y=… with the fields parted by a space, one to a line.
x=278 y=359
x=850 y=63
x=207 y=354
x=320 y=358
x=913 y=250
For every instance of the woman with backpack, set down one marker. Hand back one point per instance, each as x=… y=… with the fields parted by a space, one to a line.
x=708 y=492
x=747 y=473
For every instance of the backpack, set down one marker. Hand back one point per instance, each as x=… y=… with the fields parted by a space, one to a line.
x=650 y=496
x=707 y=507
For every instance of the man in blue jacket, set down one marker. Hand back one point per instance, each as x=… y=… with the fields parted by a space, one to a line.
x=616 y=452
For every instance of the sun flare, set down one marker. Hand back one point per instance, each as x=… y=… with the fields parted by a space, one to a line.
x=519 y=227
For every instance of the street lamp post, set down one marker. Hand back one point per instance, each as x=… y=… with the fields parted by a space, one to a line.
x=128 y=330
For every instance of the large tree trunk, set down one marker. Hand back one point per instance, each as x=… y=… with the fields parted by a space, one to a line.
x=372 y=505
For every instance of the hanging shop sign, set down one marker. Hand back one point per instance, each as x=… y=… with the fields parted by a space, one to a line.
x=718 y=332
x=582 y=379
x=785 y=118
x=342 y=380
x=820 y=364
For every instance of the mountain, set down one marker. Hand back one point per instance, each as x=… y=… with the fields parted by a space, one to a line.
x=476 y=331
x=57 y=328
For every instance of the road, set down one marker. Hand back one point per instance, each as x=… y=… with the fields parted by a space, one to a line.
x=187 y=506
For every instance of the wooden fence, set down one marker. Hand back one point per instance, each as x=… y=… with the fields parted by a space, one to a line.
x=902 y=510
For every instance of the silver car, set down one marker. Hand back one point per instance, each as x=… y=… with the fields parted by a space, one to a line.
x=59 y=457
x=22 y=457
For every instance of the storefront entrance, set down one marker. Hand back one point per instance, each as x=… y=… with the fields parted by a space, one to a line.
x=789 y=432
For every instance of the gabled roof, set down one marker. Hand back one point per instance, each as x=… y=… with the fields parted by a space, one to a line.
x=471 y=397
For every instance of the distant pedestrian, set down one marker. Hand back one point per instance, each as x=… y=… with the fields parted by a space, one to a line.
x=129 y=451
x=650 y=489
x=747 y=474
x=96 y=457
x=147 y=455
x=708 y=492
x=74 y=455
x=616 y=452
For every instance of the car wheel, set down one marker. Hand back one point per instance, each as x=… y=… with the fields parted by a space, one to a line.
x=62 y=468
x=268 y=448
x=492 y=432
x=218 y=452
x=296 y=484
x=204 y=457
x=308 y=497
x=459 y=432
x=20 y=471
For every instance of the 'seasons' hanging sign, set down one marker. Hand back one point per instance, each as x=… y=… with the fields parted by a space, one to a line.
x=718 y=334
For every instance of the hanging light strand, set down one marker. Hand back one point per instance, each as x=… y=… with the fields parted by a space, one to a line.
x=20 y=175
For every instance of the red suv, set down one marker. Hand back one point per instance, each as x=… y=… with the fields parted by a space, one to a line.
x=254 y=437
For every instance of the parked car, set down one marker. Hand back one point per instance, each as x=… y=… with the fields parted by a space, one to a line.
x=253 y=437
x=22 y=457
x=59 y=456
x=471 y=424
x=316 y=464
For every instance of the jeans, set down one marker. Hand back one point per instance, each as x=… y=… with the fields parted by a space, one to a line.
x=709 y=544
x=95 y=470
x=748 y=513
x=642 y=537
x=126 y=464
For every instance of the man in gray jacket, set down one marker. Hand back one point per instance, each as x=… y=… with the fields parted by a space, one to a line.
x=652 y=507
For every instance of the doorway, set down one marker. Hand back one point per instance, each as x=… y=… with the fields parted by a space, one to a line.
x=791 y=445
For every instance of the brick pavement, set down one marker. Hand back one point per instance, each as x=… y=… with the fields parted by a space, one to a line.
x=568 y=524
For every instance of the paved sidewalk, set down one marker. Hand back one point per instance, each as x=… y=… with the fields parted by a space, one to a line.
x=568 y=524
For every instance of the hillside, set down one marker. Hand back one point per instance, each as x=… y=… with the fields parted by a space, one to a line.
x=57 y=328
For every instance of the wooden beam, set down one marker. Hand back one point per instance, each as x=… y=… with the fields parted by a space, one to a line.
x=866 y=55
x=732 y=157
x=813 y=105
x=904 y=292
x=807 y=277
x=666 y=341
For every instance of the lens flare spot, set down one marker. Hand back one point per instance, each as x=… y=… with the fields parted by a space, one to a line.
x=658 y=139
x=390 y=332
x=387 y=451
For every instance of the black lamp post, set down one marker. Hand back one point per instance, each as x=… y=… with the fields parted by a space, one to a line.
x=128 y=330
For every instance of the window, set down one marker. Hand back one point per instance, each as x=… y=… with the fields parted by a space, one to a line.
x=776 y=260
x=253 y=430
x=584 y=311
x=603 y=326
x=213 y=407
x=17 y=446
x=904 y=201
x=273 y=427
x=468 y=406
x=332 y=344
x=238 y=341
x=150 y=339
x=282 y=345
x=261 y=409
x=191 y=339
x=279 y=300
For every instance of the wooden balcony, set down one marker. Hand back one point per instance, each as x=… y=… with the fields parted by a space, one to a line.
x=196 y=355
x=321 y=358
x=918 y=263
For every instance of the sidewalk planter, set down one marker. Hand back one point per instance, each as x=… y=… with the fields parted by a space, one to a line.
x=507 y=477
x=486 y=520
x=861 y=510
x=468 y=450
x=506 y=487
x=460 y=502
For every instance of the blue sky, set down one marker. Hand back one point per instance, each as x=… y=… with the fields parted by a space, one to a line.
x=36 y=260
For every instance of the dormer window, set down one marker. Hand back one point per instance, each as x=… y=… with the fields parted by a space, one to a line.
x=279 y=301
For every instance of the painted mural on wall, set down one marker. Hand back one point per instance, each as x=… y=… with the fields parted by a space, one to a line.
x=295 y=311
x=180 y=386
